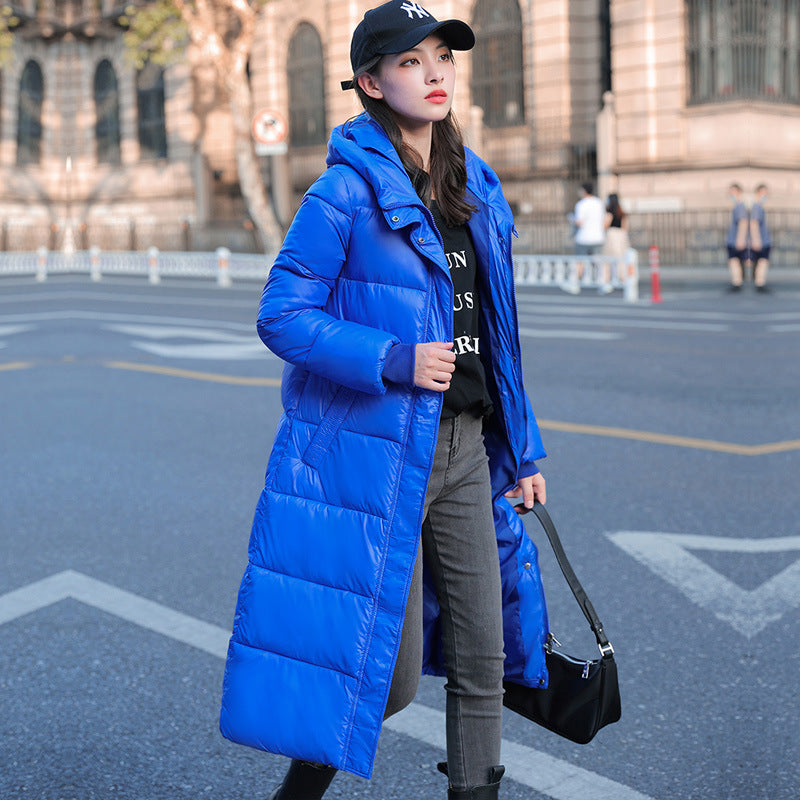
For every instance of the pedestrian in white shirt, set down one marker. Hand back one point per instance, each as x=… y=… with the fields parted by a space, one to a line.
x=589 y=221
x=590 y=214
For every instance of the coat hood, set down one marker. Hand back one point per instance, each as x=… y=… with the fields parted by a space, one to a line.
x=362 y=144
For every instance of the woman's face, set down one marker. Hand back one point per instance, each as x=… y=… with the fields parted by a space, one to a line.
x=416 y=84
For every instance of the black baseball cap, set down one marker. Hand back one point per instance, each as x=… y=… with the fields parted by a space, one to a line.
x=400 y=25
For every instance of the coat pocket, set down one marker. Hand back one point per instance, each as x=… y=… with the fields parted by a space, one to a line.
x=329 y=426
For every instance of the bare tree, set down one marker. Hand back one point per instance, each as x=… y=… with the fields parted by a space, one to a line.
x=216 y=35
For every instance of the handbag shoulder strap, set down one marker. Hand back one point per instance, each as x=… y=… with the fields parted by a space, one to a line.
x=572 y=579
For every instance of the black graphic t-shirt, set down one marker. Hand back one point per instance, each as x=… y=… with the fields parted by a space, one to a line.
x=467 y=391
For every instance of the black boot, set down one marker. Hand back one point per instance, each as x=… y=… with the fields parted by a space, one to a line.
x=304 y=781
x=487 y=792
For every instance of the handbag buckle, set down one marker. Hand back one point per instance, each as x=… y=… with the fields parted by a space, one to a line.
x=551 y=640
x=606 y=649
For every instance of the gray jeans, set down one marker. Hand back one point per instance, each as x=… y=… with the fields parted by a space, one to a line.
x=460 y=550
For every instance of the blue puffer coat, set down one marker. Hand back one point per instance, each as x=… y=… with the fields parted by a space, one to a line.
x=336 y=530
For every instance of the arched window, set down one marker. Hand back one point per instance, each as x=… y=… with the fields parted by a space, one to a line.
x=150 y=104
x=743 y=49
x=306 y=74
x=29 y=116
x=106 y=103
x=497 y=70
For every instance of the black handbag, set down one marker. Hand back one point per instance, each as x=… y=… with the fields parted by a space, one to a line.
x=582 y=696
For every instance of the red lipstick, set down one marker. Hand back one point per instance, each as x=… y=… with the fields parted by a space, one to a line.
x=437 y=96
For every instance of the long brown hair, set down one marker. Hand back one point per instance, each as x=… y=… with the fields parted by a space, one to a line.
x=448 y=170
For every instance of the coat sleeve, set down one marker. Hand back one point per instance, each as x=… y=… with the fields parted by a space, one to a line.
x=534 y=449
x=294 y=319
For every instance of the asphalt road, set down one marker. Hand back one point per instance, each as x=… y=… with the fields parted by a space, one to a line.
x=136 y=422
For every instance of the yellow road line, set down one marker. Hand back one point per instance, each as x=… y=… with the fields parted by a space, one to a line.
x=547 y=424
x=192 y=375
x=676 y=441
x=15 y=365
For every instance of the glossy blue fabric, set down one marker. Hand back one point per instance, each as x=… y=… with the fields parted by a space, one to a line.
x=335 y=534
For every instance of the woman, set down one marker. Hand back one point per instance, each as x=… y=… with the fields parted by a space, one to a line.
x=377 y=552
x=617 y=241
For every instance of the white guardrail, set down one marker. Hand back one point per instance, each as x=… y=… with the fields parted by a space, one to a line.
x=573 y=273
x=222 y=265
x=570 y=273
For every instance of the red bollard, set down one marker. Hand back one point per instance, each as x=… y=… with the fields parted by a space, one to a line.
x=655 y=277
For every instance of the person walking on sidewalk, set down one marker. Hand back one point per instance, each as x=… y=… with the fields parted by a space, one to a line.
x=589 y=221
x=760 y=239
x=590 y=217
x=737 y=239
x=385 y=543
x=617 y=240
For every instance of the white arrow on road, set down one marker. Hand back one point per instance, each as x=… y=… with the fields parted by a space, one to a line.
x=214 y=344
x=749 y=611
x=551 y=776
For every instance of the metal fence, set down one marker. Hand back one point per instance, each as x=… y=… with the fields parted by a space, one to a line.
x=221 y=266
x=684 y=238
x=569 y=272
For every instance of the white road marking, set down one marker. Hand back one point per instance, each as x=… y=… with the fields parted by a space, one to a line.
x=544 y=773
x=540 y=771
x=219 y=345
x=208 y=352
x=10 y=330
x=105 y=316
x=214 y=297
x=556 y=333
x=747 y=611
x=599 y=307
x=647 y=324
x=179 y=332
x=126 y=605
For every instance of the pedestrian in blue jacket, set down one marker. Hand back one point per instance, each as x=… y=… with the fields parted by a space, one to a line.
x=383 y=545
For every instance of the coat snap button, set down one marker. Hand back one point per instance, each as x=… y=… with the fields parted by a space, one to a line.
x=421 y=240
x=527 y=565
x=395 y=218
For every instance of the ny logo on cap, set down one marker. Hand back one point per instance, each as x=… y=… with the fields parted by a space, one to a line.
x=414 y=8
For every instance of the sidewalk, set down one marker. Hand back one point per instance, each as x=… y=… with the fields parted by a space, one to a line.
x=676 y=278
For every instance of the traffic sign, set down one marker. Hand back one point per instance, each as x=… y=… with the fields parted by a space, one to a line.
x=269 y=127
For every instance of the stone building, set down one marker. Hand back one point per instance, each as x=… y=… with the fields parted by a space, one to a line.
x=527 y=96
x=664 y=101
x=705 y=92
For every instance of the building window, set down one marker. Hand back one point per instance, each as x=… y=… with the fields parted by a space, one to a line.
x=782 y=51
x=497 y=70
x=743 y=50
x=29 y=117
x=150 y=104
x=306 y=73
x=106 y=103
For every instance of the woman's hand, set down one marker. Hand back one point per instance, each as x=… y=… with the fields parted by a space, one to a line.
x=530 y=488
x=434 y=364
